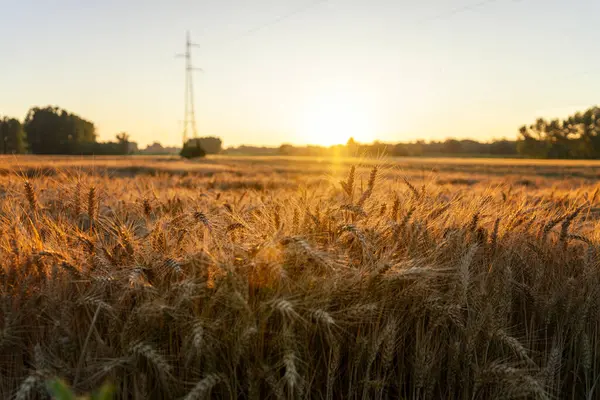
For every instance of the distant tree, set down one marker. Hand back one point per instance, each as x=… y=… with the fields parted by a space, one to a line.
x=400 y=150
x=157 y=148
x=419 y=148
x=577 y=136
x=192 y=149
x=51 y=130
x=211 y=145
x=12 y=136
x=473 y=147
x=132 y=148
x=123 y=140
x=154 y=148
x=353 y=147
x=503 y=147
x=376 y=149
x=286 y=149
x=452 y=146
x=100 y=149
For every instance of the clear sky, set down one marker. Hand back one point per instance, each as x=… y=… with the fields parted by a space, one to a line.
x=392 y=70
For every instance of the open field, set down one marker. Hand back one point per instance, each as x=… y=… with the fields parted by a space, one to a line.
x=478 y=170
x=285 y=278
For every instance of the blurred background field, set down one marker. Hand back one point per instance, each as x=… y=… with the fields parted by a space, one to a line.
x=438 y=170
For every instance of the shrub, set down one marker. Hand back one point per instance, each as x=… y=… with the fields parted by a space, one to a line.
x=192 y=149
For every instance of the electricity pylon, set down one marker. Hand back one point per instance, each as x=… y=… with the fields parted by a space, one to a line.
x=189 y=119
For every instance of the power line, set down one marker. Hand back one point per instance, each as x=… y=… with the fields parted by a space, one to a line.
x=274 y=21
x=459 y=10
x=309 y=6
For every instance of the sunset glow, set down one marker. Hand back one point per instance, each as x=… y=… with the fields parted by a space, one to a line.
x=333 y=120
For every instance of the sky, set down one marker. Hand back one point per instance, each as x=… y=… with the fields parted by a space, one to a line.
x=303 y=71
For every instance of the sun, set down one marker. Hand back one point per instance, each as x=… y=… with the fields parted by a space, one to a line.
x=333 y=120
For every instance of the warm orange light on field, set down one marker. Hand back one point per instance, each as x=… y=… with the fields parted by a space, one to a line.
x=333 y=120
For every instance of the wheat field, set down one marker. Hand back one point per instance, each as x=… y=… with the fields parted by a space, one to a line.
x=300 y=278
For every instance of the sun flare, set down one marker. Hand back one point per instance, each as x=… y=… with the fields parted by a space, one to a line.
x=333 y=120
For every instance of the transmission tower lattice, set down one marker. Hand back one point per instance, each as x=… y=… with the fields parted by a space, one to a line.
x=189 y=119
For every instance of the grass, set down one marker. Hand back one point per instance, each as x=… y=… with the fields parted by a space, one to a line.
x=283 y=278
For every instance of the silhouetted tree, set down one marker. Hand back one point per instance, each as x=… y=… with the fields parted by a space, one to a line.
x=192 y=149
x=12 y=136
x=352 y=146
x=577 y=136
x=123 y=140
x=286 y=150
x=503 y=147
x=375 y=149
x=51 y=130
x=452 y=146
x=400 y=150
x=211 y=145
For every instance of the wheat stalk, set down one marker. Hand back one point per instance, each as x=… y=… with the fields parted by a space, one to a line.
x=31 y=196
x=92 y=204
x=203 y=388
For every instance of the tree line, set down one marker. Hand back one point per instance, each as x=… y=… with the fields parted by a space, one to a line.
x=577 y=136
x=449 y=147
x=53 y=130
